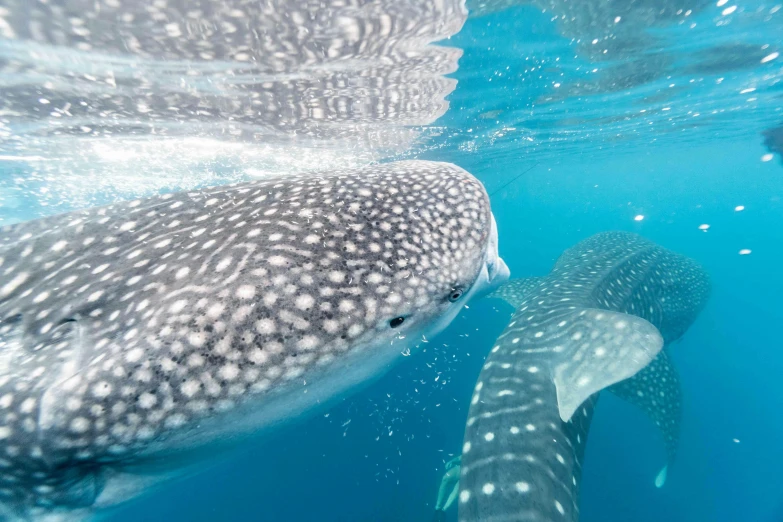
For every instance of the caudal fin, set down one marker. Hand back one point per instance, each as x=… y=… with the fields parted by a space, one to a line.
x=657 y=392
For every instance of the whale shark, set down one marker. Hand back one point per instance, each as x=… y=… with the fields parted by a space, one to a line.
x=602 y=315
x=144 y=335
x=656 y=388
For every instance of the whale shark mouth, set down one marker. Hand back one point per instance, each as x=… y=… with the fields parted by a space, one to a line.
x=495 y=271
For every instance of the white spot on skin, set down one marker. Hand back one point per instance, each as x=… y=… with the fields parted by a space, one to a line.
x=178 y=306
x=489 y=436
x=190 y=388
x=559 y=507
x=265 y=326
x=246 y=292
x=533 y=369
x=175 y=421
x=101 y=390
x=304 y=302
x=13 y=284
x=134 y=355
x=308 y=342
x=530 y=427
x=488 y=488
x=514 y=430
x=638 y=217
x=147 y=400
x=745 y=252
x=277 y=261
x=522 y=487
x=464 y=496
x=80 y=425
x=28 y=405
x=229 y=372
x=466 y=447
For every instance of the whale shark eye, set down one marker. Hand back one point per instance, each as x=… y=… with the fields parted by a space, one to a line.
x=455 y=294
x=397 y=321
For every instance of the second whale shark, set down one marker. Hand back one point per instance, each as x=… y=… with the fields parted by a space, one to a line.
x=602 y=315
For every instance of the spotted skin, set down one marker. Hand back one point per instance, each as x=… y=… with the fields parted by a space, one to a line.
x=515 y=291
x=137 y=330
x=656 y=388
x=521 y=459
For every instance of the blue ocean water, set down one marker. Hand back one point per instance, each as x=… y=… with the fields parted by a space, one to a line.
x=666 y=141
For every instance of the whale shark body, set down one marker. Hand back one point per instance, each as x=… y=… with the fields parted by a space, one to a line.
x=601 y=316
x=160 y=327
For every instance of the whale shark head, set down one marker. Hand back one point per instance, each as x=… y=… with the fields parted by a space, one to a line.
x=131 y=331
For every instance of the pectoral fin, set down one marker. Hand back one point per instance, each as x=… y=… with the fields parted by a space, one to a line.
x=601 y=349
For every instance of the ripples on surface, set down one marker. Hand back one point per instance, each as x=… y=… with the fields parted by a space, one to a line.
x=597 y=73
x=111 y=99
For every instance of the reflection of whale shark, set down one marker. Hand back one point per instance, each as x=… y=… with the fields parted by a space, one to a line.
x=600 y=316
x=149 y=330
x=228 y=67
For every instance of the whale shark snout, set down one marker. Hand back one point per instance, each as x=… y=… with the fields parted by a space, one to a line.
x=495 y=272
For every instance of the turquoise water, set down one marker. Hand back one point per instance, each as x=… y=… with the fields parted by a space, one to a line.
x=661 y=135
